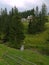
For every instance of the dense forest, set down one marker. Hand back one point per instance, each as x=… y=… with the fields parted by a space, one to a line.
x=12 y=29
x=25 y=14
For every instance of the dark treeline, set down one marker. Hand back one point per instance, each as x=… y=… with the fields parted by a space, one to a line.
x=11 y=27
x=38 y=20
x=25 y=14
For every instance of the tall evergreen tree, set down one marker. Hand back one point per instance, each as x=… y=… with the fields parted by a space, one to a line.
x=37 y=11
x=16 y=29
x=31 y=25
x=43 y=16
x=3 y=20
x=38 y=21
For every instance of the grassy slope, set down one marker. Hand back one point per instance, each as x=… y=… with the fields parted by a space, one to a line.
x=26 y=54
x=34 y=41
x=38 y=40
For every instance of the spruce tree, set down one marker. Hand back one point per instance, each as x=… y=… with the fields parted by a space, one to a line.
x=16 y=29
x=31 y=25
x=43 y=17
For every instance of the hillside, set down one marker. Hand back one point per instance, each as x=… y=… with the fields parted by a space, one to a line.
x=36 y=50
x=10 y=56
x=33 y=54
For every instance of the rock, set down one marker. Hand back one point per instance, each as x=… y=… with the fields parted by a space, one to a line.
x=22 y=48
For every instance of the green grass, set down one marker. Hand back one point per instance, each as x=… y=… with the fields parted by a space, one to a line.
x=33 y=44
x=37 y=40
x=28 y=55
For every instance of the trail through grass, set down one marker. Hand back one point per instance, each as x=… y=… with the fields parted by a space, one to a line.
x=28 y=55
